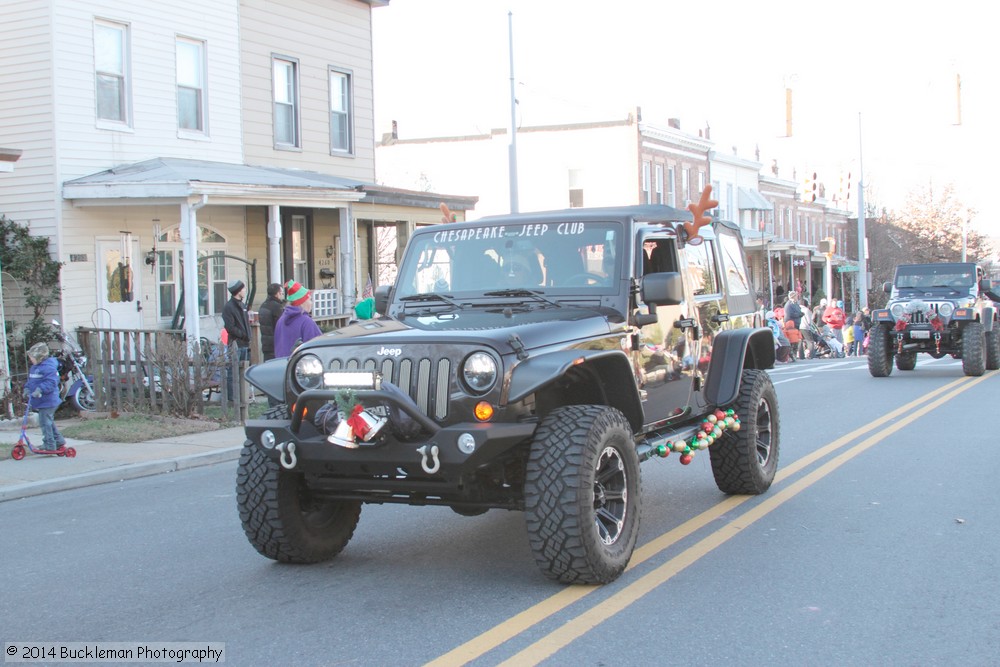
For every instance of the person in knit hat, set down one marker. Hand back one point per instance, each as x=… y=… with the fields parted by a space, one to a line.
x=42 y=391
x=236 y=322
x=295 y=326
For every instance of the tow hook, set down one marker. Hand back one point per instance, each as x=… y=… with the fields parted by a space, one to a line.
x=287 y=449
x=432 y=468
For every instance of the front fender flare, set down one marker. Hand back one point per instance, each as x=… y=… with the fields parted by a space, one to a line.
x=988 y=320
x=537 y=372
x=269 y=377
x=732 y=351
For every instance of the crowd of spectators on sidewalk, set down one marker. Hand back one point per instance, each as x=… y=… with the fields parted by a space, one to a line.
x=803 y=332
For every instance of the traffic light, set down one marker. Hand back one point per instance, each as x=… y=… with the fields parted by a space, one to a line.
x=827 y=246
x=809 y=188
x=847 y=189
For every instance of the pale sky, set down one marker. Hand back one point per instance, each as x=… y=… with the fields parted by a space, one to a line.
x=442 y=67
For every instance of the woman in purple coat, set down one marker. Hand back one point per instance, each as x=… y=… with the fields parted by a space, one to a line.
x=295 y=326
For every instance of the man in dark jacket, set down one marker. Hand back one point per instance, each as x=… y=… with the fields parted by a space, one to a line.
x=270 y=311
x=237 y=325
x=793 y=311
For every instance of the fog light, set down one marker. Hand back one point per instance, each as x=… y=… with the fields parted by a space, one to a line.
x=267 y=439
x=483 y=411
x=466 y=443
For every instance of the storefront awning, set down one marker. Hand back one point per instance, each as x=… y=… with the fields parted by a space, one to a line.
x=750 y=199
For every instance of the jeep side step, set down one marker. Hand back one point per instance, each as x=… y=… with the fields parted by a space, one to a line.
x=646 y=448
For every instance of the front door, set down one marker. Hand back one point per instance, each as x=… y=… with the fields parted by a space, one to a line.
x=119 y=293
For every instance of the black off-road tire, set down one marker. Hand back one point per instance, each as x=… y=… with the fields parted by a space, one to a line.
x=282 y=519
x=582 y=494
x=906 y=361
x=973 y=349
x=993 y=348
x=745 y=461
x=278 y=412
x=880 y=351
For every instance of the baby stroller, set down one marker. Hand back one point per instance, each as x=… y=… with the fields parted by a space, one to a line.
x=827 y=345
x=24 y=444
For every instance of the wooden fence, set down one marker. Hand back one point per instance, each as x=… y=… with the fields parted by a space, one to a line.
x=155 y=371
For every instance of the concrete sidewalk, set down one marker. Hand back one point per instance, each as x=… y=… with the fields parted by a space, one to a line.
x=102 y=462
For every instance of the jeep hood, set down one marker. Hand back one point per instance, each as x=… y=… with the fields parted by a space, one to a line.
x=536 y=327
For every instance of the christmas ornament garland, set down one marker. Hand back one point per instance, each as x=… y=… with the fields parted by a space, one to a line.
x=711 y=429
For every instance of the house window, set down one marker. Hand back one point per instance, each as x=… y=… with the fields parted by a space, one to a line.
x=671 y=187
x=658 y=184
x=387 y=245
x=286 y=102
x=686 y=185
x=111 y=71
x=647 y=195
x=300 y=249
x=340 y=112
x=190 y=85
x=211 y=271
x=701 y=182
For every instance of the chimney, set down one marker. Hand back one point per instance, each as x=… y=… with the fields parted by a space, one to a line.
x=395 y=130
x=674 y=123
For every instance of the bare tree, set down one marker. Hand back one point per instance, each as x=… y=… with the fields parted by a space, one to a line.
x=928 y=229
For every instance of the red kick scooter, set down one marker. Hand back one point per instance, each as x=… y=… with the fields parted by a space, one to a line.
x=18 y=452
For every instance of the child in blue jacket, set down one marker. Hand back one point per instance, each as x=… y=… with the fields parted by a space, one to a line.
x=42 y=391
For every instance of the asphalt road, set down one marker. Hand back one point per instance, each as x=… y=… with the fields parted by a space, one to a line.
x=877 y=545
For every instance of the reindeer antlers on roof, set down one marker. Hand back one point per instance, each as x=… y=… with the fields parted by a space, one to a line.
x=446 y=212
x=698 y=217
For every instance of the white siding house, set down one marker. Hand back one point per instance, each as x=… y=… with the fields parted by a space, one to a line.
x=237 y=130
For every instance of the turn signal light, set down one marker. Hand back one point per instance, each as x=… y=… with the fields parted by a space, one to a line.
x=484 y=411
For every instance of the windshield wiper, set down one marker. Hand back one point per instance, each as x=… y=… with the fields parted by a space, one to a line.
x=431 y=296
x=523 y=293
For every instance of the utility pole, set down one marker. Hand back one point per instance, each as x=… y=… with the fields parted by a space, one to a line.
x=512 y=151
x=862 y=239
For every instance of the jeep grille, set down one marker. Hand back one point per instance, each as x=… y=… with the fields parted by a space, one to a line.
x=425 y=380
x=918 y=317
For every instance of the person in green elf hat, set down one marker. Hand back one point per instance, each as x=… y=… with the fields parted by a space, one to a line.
x=295 y=326
x=365 y=309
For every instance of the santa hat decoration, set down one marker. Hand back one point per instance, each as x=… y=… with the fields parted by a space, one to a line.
x=295 y=293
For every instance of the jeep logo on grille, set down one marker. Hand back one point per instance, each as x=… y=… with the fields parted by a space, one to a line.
x=389 y=352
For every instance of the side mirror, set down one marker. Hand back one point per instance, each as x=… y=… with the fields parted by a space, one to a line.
x=662 y=289
x=382 y=293
x=985 y=285
x=887 y=287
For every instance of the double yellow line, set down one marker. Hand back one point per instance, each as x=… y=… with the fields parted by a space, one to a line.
x=593 y=616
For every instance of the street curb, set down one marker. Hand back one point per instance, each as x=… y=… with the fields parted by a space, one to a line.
x=118 y=474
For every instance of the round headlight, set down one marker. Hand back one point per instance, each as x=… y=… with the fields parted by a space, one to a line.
x=480 y=372
x=897 y=310
x=309 y=372
x=946 y=309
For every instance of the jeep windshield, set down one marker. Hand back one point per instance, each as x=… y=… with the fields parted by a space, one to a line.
x=503 y=261
x=956 y=277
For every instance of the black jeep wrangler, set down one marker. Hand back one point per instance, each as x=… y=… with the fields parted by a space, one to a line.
x=526 y=362
x=937 y=309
